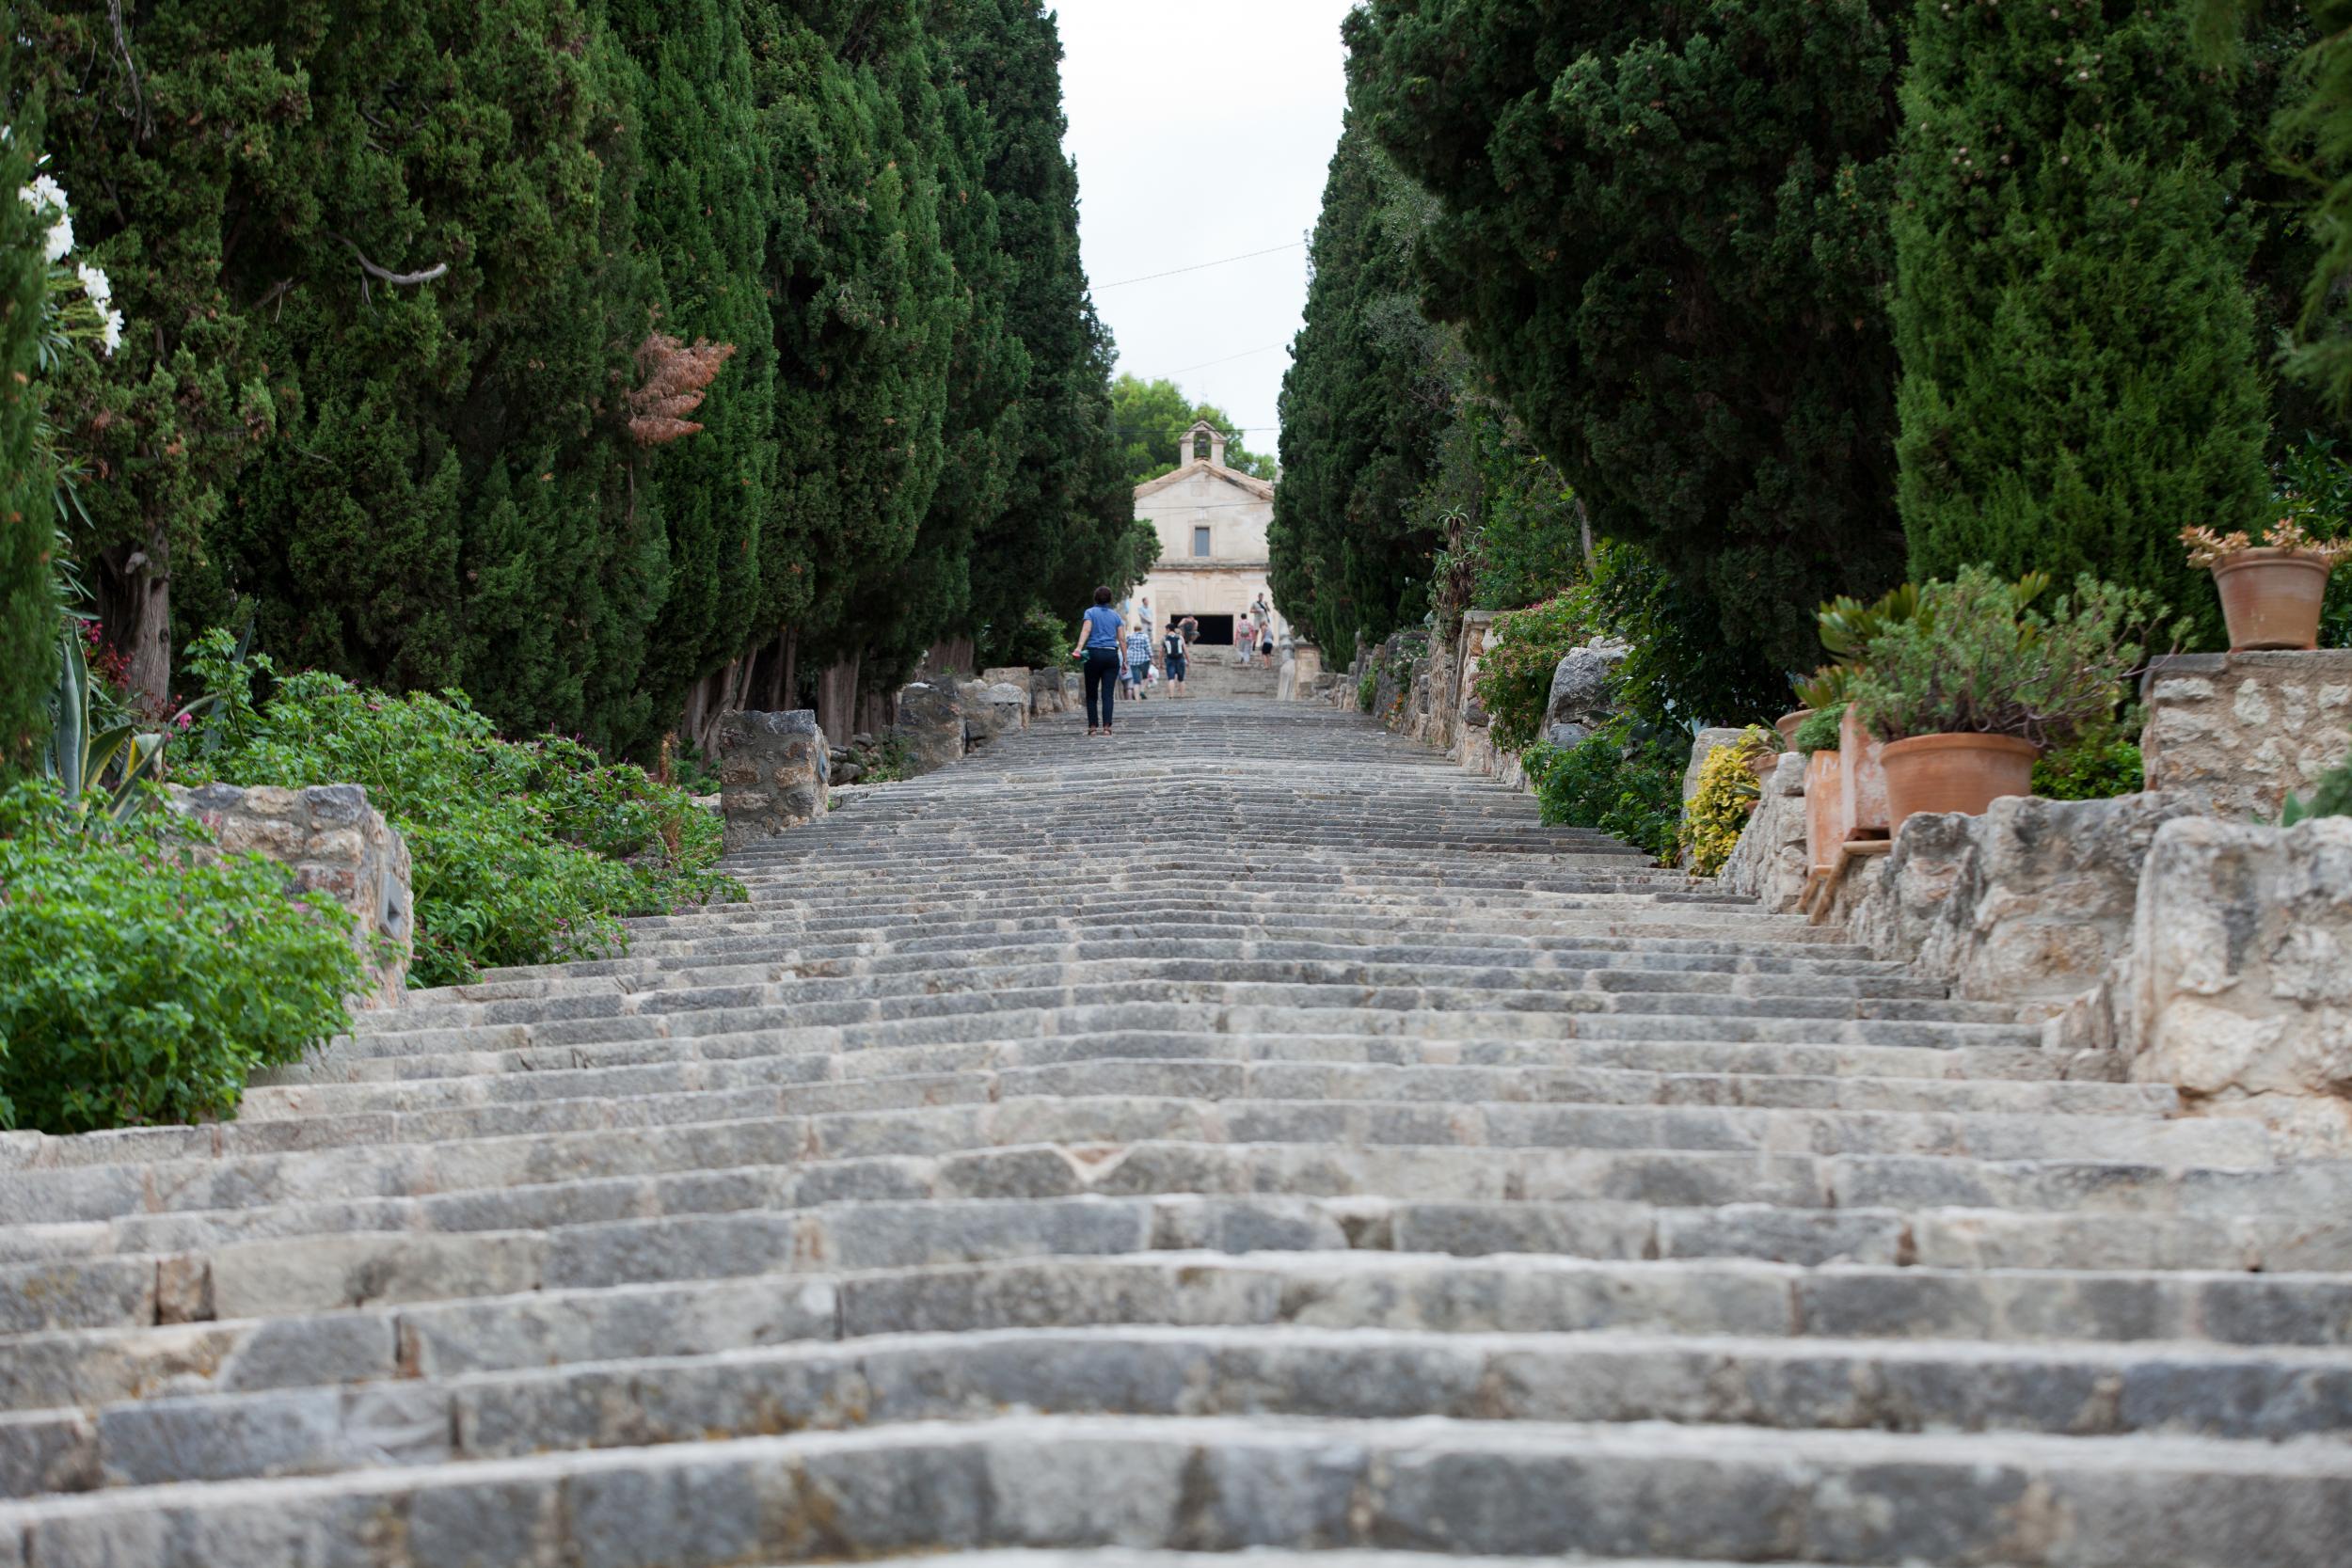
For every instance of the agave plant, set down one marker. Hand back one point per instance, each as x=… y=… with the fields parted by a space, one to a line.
x=104 y=769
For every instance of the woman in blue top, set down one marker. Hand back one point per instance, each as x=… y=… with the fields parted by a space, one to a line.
x=1098 y=645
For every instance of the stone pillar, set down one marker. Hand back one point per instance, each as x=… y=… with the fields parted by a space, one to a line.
x=2235 y=734
x=930 y=725
x=336 y=844
x=774 y=774
x=1217 y=448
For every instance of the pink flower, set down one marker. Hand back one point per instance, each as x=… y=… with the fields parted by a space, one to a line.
x=184 y=721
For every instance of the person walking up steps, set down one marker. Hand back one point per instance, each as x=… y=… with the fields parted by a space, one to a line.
x=1172 y=660
x=1139 y=659
x=1098 y=651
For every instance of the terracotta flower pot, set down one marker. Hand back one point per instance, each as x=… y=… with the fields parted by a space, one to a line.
x=1824 y=813
x=1762 y=764
x=1954 y=772
x=2271 y=598
x=1786 y=724
x=1861 y=784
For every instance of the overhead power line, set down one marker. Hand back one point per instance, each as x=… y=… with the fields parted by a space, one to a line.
x=1199 y=266
x=1245 y=354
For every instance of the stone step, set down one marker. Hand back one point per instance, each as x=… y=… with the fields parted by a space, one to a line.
x=830 y=1082
x=249 y=1170
x=1223 y=1483
x=1351 y=1376
x=1322 y=1289
x=805 y=1055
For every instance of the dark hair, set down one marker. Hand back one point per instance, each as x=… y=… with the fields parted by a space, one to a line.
x=1102 y=595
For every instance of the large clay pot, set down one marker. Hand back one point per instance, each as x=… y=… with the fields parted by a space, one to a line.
x=1786 y=724
x=1954 y=772
x=1823 y=813
x=2271 y=598
x=1761 y=764
x=1861 y=784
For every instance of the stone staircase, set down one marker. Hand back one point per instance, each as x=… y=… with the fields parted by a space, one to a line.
x=1216 y=673
x=1249 y=1132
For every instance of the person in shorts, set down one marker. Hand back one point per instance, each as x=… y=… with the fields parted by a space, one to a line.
x=1172 y=660
x=1138 y=651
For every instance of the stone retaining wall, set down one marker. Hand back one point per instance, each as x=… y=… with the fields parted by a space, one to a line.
x=2236 y=733
x=774 y=774
x=336 y=844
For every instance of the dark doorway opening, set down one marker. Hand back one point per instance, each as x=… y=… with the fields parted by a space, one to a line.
x=1216 y=631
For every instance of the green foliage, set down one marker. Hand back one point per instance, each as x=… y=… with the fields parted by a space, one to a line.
x=888 y=763
x=1150 y=418
x=29 y=611
x=94 y=761
x=1621 y=782
x=1978 y=657
x=1726 y=795
x=1662 y=231
x=442 y=481
x=1039 y=640
x=141 y=982
x=2334 y=798
x=523 y=852
x=1514 y=681
x=2070 y=306
x=1368 y=690
x=1823 y=730
x=2095 y=768
x=1680 y=670
x=1364 y=404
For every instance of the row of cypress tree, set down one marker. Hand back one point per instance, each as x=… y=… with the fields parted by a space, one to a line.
x=1804 y=294
x=405 y=285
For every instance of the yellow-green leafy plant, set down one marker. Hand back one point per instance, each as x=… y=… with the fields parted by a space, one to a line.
x=1726 y=797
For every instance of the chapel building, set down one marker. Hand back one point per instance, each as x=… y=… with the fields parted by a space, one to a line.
x=1214 y=557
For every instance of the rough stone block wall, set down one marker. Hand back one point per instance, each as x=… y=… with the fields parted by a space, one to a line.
x=1770 y=862
x=336 y=844
x=2236 y=733
x=2239 y=988
x=2031 y=903
x=774 y=774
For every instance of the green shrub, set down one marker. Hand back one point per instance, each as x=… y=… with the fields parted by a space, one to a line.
x=139 y=984
x=1368 y=690
x=524 y=853
x=2096 y=768
x=1629 y=789
x=2334 y=798
x=1719 y=812
x=1514 y=682
x=1823 y=730
x=1039 y=640
x=1977 y=658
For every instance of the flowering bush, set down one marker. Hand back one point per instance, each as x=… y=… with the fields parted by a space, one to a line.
x=81 y=299
x=524 y=853
x=139 y=985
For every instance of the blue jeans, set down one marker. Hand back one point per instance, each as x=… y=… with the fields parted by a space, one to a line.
x=1101 y=678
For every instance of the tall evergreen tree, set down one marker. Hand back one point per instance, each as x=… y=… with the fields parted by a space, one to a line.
x=1662 y=231
x=1365 y=404
x=2072 y=308
x=28 y=614
x=1069 y=518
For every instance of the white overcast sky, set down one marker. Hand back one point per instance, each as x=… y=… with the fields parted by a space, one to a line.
x=1202 y=129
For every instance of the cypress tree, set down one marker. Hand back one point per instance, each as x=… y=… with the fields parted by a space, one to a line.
x=2078 y=380
x=701 y=224
x=28 y=613
x=1069 y=518
x=1662 y=231
x=1365 y=404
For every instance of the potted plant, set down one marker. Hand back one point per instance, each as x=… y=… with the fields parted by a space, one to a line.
x=1859 y=782
x=2271 y=593
x=1817 y=741
x=1967 y=692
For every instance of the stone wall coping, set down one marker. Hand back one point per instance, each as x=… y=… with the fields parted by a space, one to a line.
x=2315 y=661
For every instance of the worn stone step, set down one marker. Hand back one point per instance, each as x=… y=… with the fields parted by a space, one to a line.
x=1321 y=1290
x=2077 y=1391
x=1225 y=1484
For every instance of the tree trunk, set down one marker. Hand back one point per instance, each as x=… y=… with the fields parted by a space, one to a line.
x=136 y=608
x=836 y=701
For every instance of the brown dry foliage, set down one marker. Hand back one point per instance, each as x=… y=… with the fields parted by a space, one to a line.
x=670 y=386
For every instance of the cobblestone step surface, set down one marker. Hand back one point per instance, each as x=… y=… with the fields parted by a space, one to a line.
x=1245 y=1139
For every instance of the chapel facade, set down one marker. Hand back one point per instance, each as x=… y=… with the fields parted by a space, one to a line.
x=1212 y=523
